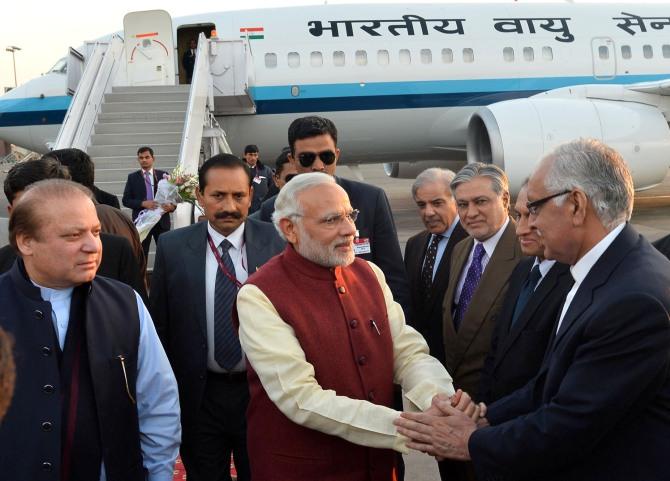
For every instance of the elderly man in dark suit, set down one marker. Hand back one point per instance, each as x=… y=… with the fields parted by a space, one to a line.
x=196 y=276
x=599 y=408
x=428 y=254
x=537 y=289
x=140 y=191
x=313 y=144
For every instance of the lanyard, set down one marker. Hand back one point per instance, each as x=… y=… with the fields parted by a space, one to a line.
x=225 y=271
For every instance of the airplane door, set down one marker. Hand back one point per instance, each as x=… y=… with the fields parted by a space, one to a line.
x=604 y=58
x=75 y=68
x=149 y=48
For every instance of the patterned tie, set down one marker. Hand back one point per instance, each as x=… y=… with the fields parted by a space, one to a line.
x=227 y=349
x=150 y=189
x=526 y=293
x=429 y=265
x=470 y=284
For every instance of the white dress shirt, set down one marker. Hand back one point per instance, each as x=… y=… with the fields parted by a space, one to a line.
x=584 y=265
x=238 y=254
x=489 y=247
x=545 y=267
x=442 y=245
x=156 y=389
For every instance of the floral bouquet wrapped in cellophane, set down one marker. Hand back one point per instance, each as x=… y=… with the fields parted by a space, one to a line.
x=172 y=189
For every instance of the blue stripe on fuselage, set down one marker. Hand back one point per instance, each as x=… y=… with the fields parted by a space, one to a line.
x=346 y=97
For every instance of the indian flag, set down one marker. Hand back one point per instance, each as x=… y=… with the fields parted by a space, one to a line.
x=252 y=33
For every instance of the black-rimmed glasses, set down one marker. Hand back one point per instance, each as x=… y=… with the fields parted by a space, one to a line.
x=534 y=206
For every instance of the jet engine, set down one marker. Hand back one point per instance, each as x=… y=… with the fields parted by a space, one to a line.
x=516 y=134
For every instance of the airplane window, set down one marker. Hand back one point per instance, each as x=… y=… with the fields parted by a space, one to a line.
x=271 y=60
x=293 y=59
x=426 y=56
x=447 y=55
x=666 y=51
x=361 y=57
x=468 y=55
x=60 y=67
x=647 y=51
x=338 y=58
x=547 y=53
x=603 y=52
x=316 y=59
x=405 y=56
x=625 y=51
x=528 y=54
x=383 y=57
x=508 y=54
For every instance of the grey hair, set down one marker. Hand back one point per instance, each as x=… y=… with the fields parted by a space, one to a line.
x=433 y=175
x=499 y=182
x=287 y=204
x=599 y=171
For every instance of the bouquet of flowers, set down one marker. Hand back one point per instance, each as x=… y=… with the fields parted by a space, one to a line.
x=172 y=189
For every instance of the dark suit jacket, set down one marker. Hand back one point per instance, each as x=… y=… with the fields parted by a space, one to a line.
x=599 y=409
x=135 y=193
x=177 y=302
x=118 y=262
x=516 y=354
x=188 y=62
x=427 y=316
x=105 y=198
x=466 y=350
x=262 y=181
x=375 y=222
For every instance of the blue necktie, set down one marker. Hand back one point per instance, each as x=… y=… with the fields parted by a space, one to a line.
x=149 y=187
x=470 y=285
x=227 y=349
x=526 y=293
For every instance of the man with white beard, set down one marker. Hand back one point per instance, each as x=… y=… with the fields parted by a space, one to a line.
x=325 y=342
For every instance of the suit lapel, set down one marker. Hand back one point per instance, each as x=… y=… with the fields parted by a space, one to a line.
x=256 y=250
x=499 y=268
x=194 y=265
x=443 y=269
x=458 y=261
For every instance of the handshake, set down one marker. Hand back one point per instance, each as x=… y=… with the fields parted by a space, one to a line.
x=444 y=429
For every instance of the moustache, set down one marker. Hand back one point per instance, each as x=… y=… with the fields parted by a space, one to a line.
x=228 y=215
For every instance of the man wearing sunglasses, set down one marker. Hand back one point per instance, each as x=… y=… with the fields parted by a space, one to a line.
x=599 y=407
x=313 y=144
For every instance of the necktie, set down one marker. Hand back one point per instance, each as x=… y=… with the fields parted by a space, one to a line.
x=227 y=349
x=526 y=293
x=470 y=285
x=150 y=189
x=429 y=265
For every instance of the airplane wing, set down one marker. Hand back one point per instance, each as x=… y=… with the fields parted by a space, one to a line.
x=658 y=87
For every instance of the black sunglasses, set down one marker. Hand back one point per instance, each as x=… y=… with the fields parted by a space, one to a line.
x=307 y=158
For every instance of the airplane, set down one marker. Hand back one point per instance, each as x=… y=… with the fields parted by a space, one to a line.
x=420 y=85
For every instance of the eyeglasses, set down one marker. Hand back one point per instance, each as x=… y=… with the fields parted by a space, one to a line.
x=334 y=220
x=534 y=207
x=307 y=158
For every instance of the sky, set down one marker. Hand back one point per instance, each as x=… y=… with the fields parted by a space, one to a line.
x=44 y=31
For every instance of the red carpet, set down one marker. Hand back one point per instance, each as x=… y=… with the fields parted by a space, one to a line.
x=180 y=474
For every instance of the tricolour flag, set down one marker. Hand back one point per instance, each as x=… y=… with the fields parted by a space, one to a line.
x=252 y=33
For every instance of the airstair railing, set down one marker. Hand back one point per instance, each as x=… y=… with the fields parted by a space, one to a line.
x=80 y=118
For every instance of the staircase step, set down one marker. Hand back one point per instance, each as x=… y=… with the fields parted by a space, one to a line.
x=130 y=161
x=147 y=97
x=148 y=138
x=138 y=127
x=151 y=88
x=127 y=150
x=130 y=117
x=121 y=174
x=128 y=107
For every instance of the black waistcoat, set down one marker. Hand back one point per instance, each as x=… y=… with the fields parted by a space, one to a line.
x=30 y=434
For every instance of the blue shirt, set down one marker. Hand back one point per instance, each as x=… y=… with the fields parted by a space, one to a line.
x=156 y=389
x=442 y=245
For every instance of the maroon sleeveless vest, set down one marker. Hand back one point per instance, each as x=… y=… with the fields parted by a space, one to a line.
x=339 y=317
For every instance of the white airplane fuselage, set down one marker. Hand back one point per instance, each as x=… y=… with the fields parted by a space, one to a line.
x=402 y=82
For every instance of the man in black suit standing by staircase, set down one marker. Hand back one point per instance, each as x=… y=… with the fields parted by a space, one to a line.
x=140 y=191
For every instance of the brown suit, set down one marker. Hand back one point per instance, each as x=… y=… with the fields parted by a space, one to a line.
x=466 y=349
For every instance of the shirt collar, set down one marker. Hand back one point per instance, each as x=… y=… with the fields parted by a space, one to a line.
x=236 y=238
x=491 y=243
x=54 y=295
x=545 y=265
x=151 y=171
x=581 y=269
x=447 y=233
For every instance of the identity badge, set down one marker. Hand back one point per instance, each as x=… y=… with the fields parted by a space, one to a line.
x=361 y=246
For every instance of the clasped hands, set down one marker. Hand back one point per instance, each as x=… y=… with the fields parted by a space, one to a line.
x=444 y=429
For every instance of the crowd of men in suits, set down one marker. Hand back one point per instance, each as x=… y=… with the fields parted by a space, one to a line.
x=548 y=330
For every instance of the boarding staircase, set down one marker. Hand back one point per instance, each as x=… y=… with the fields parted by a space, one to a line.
x=111 y=115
